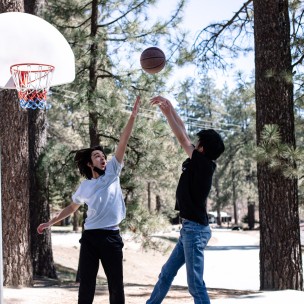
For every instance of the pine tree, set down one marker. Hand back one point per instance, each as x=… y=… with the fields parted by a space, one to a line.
x=274 y=105
x=17 y=266
x=93 y=108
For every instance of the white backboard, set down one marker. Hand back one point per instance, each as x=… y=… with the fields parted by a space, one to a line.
x=26 y=38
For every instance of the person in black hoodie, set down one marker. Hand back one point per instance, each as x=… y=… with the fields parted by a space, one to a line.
x=191 y=196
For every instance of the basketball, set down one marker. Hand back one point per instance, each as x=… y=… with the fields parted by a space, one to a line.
x=152 y=60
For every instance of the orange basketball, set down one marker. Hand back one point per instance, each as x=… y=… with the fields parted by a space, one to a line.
x=152 y=60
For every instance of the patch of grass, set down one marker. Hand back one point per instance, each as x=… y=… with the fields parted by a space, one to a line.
x=65 y=274
x=68 y=275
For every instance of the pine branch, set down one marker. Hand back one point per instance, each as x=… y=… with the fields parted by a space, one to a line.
x=82 y=8
x=139 y=89
x=209 y=46
x=123 y=15
x=298 y=61
x=108 y=75
x=115 y=139
x=70 y=26
x=222 y=26
x=159 y=29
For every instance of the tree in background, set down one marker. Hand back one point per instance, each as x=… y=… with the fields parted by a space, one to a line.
x=239 y=159
x=41 y=245
x=107 y=42
x=17 y=267
x=14 y=141
x=105 y=36
x=278 y=199
x=278 y=195
x=203 y=105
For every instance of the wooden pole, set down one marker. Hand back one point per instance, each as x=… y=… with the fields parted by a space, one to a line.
x=1 y=255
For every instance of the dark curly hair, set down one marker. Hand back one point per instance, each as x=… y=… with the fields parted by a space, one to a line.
x=83 y=157
x=212 y=143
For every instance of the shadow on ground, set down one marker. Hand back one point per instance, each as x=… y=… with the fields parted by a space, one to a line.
x=67 y=280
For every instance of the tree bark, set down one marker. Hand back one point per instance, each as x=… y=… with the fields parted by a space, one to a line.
x=149 y=196
x=11 y=6
x=251 y=215
x=158 y=203
x=280 y=249
x=33 y=6
x=41 y=245
x=93 y=118
x=235 y=208
x=17 y=267
x=219 y=218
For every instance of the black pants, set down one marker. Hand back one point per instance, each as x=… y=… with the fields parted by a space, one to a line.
x=106 y=246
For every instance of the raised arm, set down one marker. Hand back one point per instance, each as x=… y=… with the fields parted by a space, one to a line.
x=62 y=215
x=124 y=137
x=175 y=123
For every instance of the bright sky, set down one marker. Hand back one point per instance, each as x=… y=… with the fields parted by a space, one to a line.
x=197 y=15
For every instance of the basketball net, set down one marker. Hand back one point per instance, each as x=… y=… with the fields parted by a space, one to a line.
x=32 y=82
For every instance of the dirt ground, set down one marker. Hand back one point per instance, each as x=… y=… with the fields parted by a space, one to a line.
x=141 y=269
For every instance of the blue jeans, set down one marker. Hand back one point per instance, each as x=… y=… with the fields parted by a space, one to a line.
x=190 y=250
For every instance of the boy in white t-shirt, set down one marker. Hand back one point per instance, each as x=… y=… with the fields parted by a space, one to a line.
x=100 y=240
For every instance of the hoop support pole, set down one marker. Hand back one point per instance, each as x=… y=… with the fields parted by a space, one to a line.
x=1 y=253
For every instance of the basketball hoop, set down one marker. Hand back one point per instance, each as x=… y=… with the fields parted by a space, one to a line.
x=32 y=81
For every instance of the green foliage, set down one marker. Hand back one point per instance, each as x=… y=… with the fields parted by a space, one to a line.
x=219 y=43
x=60 y=174
x=278 y=155
x=240 y=141
x=285 y=158
x=107 y=82
x=232 y=114
x=143 y=224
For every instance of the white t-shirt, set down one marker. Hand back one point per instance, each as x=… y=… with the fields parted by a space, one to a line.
x=103 y=195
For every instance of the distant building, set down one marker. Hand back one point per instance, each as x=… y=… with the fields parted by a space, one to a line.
x=225 y=217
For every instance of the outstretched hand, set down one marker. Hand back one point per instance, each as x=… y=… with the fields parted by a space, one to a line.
x=175 y=123
x=41 y=227
x=136 y=107
x=163 y=103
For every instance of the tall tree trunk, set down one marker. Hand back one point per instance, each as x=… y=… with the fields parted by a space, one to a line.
x=33 y=6
x=93 y=118
x=149 y=196
x=280 y=249
x=219 y=218
x=218 y=205
x=76 y=221
x=235 y=209
x=158 y=203
x=251 y=214
x=41 y=246
x=17 y=266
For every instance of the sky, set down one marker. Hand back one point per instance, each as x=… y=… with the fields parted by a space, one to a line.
x=197 y=15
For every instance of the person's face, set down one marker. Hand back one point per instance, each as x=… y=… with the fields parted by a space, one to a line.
x=98 y=160
x=199 y=148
